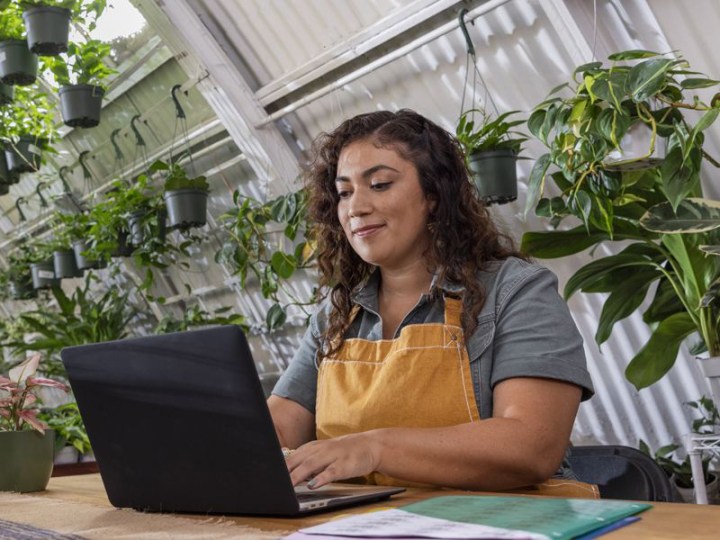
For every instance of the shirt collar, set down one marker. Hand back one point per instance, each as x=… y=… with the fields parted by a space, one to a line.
x=366 y=295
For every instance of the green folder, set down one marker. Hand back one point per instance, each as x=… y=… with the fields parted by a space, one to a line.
x=556 y=518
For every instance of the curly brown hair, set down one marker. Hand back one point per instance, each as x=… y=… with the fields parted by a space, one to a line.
x=463 y=235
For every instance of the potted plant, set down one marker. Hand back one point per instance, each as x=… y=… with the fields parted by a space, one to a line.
x=71 y=438
x=26 y=446
x=581 y=131
x=27 y=125
x=42 y=267
x=185 y=197
x=80 y=79
x=19 y=277
x=491 y=149
x=47 y=22
x=18 y=66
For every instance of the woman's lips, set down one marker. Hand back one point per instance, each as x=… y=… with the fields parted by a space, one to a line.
x=364 y=232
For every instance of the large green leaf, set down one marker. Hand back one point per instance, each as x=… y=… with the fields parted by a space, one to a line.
x=678 y=176
x=554 y=244
x=634 y=54
x=611 y=87
x=664 y=303
x=624 y=300
x=693 y=215
x=647 y=78
x=698 y=82
x=660 y=352
x=691 y=263
x=635 y=255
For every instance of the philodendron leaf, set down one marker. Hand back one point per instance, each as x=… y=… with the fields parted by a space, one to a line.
x=660 y=352
x=554 y=244
x=275 y=317
x=693 y=215
x=648 y=78
x=696 y=82
x=284 y=264
x=536 y=181
x=634 y=54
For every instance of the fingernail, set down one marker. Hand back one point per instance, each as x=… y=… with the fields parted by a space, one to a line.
x=311 y=483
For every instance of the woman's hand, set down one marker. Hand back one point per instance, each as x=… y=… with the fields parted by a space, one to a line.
x=322 y=462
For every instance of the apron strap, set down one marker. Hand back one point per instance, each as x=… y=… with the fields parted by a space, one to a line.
x=453 y=311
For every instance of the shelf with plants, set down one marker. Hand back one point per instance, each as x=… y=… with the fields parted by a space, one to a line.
x=654 y=203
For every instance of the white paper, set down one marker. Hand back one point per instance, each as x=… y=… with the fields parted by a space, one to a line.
x=398 y=523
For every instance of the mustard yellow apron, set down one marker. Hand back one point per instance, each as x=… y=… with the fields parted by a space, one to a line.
x=420 y=379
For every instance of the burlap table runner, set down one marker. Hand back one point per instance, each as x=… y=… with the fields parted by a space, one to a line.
x=95 y=522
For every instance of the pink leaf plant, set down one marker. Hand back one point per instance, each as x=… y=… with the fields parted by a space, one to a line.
x=18 y=403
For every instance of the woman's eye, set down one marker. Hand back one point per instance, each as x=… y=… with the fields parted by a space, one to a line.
x=380 y=186
x=343 y=194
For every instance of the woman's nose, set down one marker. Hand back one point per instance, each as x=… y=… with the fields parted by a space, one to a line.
x=359 y=204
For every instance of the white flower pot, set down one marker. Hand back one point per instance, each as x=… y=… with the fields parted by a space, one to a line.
x=688 y=494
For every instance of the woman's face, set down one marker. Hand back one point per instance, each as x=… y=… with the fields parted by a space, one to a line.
x=382 y=207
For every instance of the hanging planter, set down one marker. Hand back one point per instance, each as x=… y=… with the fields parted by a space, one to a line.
x=47 y=29
x=81 y=104
x=18 y=66
x=135 y=227
x=494 y=174
x=43 y=274
x=64 y=264
x=124 y=248
x=186 y=208
x=24 y=155
x=21 y=288
x=82 y=262
x=7 y=94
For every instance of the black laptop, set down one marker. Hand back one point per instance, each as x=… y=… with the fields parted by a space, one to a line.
x=178 y=423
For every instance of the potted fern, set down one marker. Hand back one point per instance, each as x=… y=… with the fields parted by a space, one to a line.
x=18 y=66
x=80 y=76
x=185 y=197
x=491 y=149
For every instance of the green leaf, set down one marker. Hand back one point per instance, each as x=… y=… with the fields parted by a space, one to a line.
x=704 y=82
x=648 y=78
x=677 y=178
x=275 y=317
x=623 y=301
x=536 y=181
x=660 y=352
x=710 y=250
x=664 y=304
x=633 y=54
x=284 y=264
x=555 y=244
x=693 y=215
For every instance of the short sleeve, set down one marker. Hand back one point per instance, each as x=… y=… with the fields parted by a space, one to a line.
x=535 y=335
x=299 y=381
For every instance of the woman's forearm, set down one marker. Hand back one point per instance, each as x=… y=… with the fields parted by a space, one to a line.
x=493 y=454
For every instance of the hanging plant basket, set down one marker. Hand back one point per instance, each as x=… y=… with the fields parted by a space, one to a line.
x=21 y=288
x=7 y=94
x=27 y=460
x=24 y=155
x=43 y=274
x=47 y=29
x=124 y=248
x=82 y=262
x=18 y=66
x=81 y=104
x=65 y=265
x=186 y=208
x=494 y=174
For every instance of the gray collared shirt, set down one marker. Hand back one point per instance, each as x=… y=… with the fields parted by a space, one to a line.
x=524 y=330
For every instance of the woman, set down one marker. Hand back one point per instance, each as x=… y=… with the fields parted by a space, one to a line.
x=440 y=356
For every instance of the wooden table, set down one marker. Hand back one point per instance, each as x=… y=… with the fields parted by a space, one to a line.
x=663 y=521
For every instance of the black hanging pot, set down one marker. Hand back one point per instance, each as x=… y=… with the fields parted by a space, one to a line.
x=124 y=248
x=82 y=262
x=65 y=265
x=494 y=174
x=43 y=274
x=81 y=104
x=47 y=29
x=18 y=66
x=7 y=94
x=21 y=288
x=186 y=208
x=24 y=155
